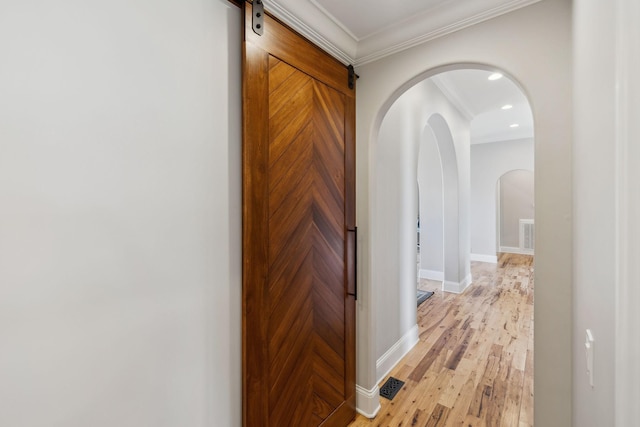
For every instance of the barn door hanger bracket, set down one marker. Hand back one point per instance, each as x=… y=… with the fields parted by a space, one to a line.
x=258 y=17
x=352 y=77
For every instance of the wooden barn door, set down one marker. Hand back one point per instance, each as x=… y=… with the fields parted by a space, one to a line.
x=298 y=232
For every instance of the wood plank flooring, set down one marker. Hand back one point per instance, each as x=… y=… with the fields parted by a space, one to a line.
x=473 y=365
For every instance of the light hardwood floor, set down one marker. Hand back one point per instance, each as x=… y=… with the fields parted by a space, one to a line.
x=473 y=365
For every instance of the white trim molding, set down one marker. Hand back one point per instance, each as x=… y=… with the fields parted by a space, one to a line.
x=367 y=401
x=493 y=259
x=455 y=287
x=424 y=28
x=396 y=352
x=444 y=86
x=627 y=346
x=431 y=275
x=334 y=19
x=513 y=250
x=311 y=31
x=318 y=25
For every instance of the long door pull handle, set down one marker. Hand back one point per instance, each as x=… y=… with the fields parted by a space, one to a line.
x=353 y=263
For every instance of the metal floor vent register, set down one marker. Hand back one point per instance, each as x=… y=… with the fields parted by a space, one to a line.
x=423 y=296
x=391 y=388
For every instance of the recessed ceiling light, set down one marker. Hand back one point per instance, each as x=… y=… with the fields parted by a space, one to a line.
x=515 y=125
x=507 y=107
x=495 y=76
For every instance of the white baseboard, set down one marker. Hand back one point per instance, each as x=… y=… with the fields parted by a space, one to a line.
x=456 y=288
x=431 y=275
x=367 y=401
x=512 y=250
x=391 y=357
x=484 y=258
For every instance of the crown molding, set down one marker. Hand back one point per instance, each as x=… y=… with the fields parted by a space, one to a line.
x=453 y=97
x=334 y=19
x=316 y=26
x=315 y=23
x=412 y=33
x=504 y=136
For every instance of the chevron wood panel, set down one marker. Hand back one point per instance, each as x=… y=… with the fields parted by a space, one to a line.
x=306 y=280
x=299 y=236
x=329 y=289
x=283 y=43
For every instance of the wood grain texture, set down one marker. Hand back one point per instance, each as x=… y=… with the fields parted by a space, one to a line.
x=298 y=320
x=473 y=365
x=255 y=214
x=290 y=47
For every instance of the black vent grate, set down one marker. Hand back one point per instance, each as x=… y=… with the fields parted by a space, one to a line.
x=391 y=388
x=423 y=296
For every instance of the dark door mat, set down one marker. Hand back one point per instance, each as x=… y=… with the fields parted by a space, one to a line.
x=391 y=388
x=423 y=296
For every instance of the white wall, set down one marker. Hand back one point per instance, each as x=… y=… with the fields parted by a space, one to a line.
x=627 y=349
x=595 y=210
x=532 y=45
x=396 y=206
x=120 y=213
x=488 y=163
x=452 y=135
x=516 y=203
x=431 y=207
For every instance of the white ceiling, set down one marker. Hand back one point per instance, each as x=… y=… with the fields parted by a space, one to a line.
x=481 y=100
x=358 y=32
x=362 y=19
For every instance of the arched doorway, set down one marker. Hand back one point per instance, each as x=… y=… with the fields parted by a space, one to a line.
x=381 y=153
x=430 y=209
x=545 y=75
x=515 y=213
